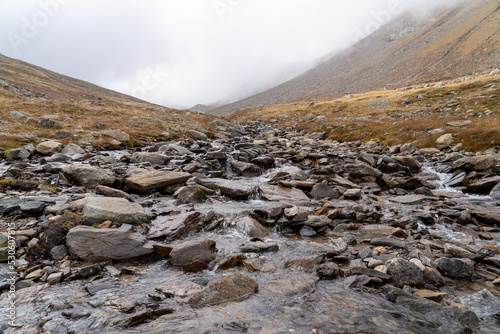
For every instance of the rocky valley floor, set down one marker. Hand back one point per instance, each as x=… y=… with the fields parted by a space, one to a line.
x=268 y=231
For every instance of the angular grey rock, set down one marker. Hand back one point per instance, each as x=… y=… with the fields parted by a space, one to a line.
x=18 y=154
x=455 y=268
x=458 y=252
x=483 y=303
x=404 y=272
x=112 y=192
x=118 y=210
x=197 y=135
x=323 y=190
x=245 y=169
x=252 y=227
x=71 y=149
x=444 y=141
x=59 y=252
x=151 y=157
x=477 y=163
x=49 y=147
x=484 y=185
x=88 y=176
x=232 y=288
x=291 y=282
x=233 y=189
x=282 y=194
x=177 y=226
x=145 y=180
x=190 y=194
x=395 y=243
x=192 y=251
x=94 y=244
x=361 y=170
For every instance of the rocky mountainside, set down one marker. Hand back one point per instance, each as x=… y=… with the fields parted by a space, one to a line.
x=451 y=43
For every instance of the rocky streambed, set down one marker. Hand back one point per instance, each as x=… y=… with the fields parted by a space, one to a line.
x=269 y=231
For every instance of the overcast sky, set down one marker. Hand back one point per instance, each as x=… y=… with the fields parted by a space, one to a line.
x=182 y=52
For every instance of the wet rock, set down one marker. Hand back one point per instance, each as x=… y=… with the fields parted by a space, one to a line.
x=485 y=185
x=307 y=263
x=133 y=319
x=433 y=276
x=252 y=227
x=231 y=261
x=112 y=192
x=459 y=252
x=323 y=190
x=495 y=192
x=59 y=252
x=245 y=169
x=435 y=296
x=358 y=171
x=18 y=154
x=401 y=244
x=404 y=272
x=180 y=289
x=264 y=161
x=259 y=264
x=232 y=288
x=370 y=273
x=151 y=157
x=477 y=163
x=49 y=147
x=282 y=194
x=177 y=226
x=190 y=194
x=145 y=180
x=197 y=135
x=352 y=194
x=308 y=232
x=328 y=271
x=444 y=141
x=72 y=149
x=483 y=303
x=291 y=282
x=100 y=209
x=494 y=260
x=192 y=251
x=88 y=175
x=455 y=268
x=177 y=322
x=174 y=148
x=409 y=199
x=91 y=244
x=259 y=247
x=116 y=134
x=233 y=189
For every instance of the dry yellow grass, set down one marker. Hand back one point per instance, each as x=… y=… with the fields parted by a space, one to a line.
x=399 y=116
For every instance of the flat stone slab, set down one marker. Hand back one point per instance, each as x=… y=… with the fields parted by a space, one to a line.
x=103 y=244
x=115 y=209
x=282 y=194
x=145 y=180
x=88 y=176
x=233 y=189
x=409 y=199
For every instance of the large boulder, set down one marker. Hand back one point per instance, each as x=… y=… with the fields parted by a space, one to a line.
x=94 y=244
x=233 y=189
x=71 y=149
x=49 y=147
x=282 y=194
x=444 y=141
x=477 y=163
x=151 y=157
x=88 y=176
x=485 y=185
x=232 y=288
x=188 y=252
x=18 y=154
x=404 y=272
x=455 y=268
x=119 y=210
x=143 y=180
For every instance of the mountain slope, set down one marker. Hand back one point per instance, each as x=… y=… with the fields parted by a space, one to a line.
x=36 y=103
x=454 y=42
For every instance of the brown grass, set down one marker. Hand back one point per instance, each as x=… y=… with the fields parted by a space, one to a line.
x=388 y=117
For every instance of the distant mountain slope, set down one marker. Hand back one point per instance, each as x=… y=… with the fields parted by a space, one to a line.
x=454 y=42
x=34 y=81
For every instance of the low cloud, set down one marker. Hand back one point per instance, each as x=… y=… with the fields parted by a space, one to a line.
x=180 y=53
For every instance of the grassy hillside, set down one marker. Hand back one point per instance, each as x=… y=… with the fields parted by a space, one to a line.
x=417 y=114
